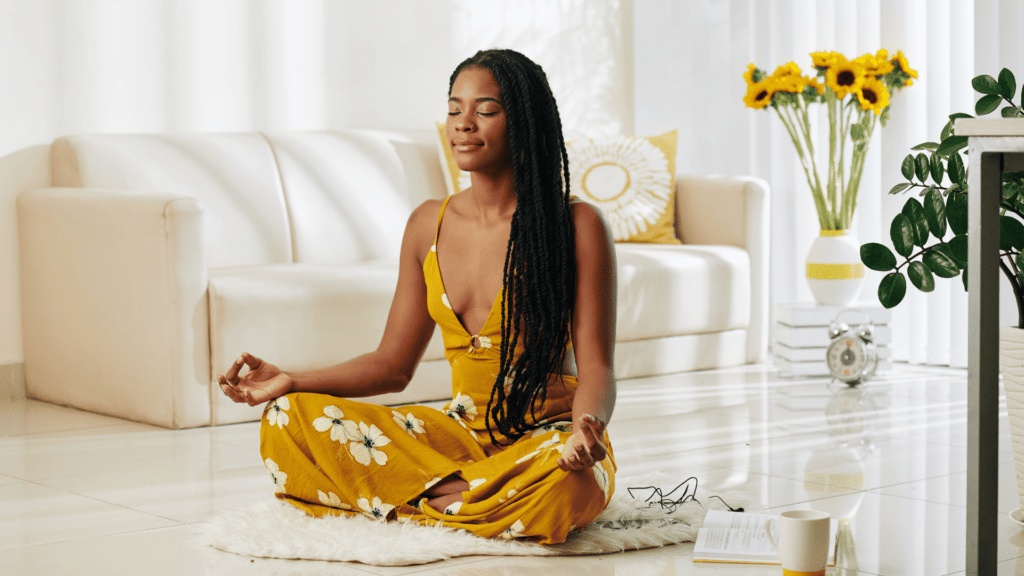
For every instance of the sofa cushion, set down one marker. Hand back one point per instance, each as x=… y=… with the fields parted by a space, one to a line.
x=669 y=290
x=233 y=176
x=350 y=192
x=302 y=316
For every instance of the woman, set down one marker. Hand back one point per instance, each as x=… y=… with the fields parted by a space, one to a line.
x=521 y=451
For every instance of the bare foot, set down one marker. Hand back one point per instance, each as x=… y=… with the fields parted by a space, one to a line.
x=446 y=492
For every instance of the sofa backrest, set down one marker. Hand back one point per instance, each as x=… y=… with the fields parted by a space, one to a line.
x=234 y=176
x=349 y=193
x=325 y=197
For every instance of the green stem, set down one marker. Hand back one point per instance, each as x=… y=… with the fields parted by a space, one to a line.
x=844 y=131
x=830 y=97
x=857 y=169
x=818 y=201
x=806 y=125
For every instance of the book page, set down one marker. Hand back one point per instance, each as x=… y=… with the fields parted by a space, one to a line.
x=740 y=537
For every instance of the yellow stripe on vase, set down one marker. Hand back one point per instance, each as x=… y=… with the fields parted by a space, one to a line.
x=833 y=233
x=834 y=271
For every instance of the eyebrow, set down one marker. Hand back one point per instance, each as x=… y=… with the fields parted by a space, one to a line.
x=482 y=99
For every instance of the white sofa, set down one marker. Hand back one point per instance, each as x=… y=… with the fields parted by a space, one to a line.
x=154 y=260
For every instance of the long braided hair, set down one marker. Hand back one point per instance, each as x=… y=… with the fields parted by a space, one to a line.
x=540 y=263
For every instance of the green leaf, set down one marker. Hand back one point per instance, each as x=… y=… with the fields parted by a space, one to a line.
x=964 y=273
x=951 y=145
x=985 y=84
x=940 y=263
x=908 y=167
x=938 y=169
x=921 y=277
x=809 y=94
x=958 y=250
x=987 y=104
x=957 y=115
x=915 y=212
x=935 y=213
x=926 y=191
x=1007 y=84
x=884 y=118
x=856 y=132
x=926 y=146
x=899 y=188
x=892 y=289
x=877 y=256
x=957 y=172
x=1011 y=233
x=1010 y=112
x=947 y=130
x=902 y=234
x=1019 y=261
x=956 y=212
x=922 y=167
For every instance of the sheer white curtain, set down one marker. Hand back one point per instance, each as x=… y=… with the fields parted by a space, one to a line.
x=689 y=58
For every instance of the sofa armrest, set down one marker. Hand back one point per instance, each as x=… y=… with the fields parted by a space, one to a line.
x=732 y=211
x=114 y=303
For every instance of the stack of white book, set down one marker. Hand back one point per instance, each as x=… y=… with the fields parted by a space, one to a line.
x=800 y=335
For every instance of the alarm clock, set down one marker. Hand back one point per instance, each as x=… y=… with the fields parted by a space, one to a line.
x=851 y=356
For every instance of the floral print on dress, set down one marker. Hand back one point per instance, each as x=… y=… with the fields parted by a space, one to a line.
x=276 y=412
x=376 y=509
x=474 y=484
x=602 y=479
x=453 y=508
x=565 y=427
x=515 y=530
x=333 y=500
x=332 y=421
x=555 y=439
x=276 y=475
x=461 y=406
x=365 y=441
x=444 y=300
x=410 y=423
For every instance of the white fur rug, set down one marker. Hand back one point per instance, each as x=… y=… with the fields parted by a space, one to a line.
x=273 y=529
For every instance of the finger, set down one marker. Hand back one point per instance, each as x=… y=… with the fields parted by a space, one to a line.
x=232 y=375
x=252 y=361
x=230 y=392
x=563 y=465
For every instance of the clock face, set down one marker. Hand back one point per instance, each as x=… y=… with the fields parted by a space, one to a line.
x=846 y=358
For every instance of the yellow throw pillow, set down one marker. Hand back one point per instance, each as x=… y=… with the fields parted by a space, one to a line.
x=631 y=178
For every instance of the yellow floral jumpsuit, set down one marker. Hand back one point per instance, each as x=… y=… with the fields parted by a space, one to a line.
x=330 y=456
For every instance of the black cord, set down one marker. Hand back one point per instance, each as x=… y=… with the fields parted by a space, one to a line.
x=667 y=503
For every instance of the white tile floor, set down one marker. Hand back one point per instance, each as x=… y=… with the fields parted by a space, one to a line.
x=87 y=494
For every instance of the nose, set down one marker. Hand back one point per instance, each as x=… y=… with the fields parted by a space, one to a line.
x=464 y=125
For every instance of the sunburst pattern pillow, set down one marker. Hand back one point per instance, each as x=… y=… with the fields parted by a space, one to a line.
x=631 y=178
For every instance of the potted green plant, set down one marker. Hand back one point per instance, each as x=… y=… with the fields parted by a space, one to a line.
x=938 y=173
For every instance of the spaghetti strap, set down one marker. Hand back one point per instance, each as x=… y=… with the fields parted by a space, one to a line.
x=437 y=231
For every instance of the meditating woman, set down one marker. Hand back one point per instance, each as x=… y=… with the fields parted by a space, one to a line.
x=521 y=279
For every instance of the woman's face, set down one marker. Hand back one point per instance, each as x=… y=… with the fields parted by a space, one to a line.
x=477 y=126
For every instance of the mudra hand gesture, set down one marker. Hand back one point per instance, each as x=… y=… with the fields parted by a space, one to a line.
x=586 y=445
x=263 y=382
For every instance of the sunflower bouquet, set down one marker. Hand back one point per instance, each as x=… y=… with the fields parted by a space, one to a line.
x=856 y=93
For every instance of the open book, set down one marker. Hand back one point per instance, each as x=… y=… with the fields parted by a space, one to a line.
x=739 y=537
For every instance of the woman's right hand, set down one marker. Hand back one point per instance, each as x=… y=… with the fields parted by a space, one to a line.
x=262 y=383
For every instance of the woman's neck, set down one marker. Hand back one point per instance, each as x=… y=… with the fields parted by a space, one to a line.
x=492 y=195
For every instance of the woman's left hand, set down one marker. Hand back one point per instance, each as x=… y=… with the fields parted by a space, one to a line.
x=586 y=445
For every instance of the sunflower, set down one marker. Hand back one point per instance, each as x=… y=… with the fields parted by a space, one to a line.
x=844 y=78
x=826 y=59
x=873 y=95
x=753 y=74
x=902 y=70
x=877 y=65
x=759 y=94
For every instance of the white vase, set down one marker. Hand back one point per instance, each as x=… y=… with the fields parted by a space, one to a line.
x=1011 y=364
x=834 y=271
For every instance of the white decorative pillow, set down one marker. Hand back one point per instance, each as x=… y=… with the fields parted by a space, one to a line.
x=631 y=178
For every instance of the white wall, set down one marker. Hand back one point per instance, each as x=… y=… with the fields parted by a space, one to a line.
x=78 y=66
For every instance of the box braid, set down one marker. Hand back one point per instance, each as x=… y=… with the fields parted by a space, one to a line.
x=540 y=263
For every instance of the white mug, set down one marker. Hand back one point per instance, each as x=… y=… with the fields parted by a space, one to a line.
x=803 y=541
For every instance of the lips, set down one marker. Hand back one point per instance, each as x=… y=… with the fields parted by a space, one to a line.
x=466 y=145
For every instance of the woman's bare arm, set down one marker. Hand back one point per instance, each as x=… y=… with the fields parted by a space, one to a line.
x=391 y=366
x=593 y=334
